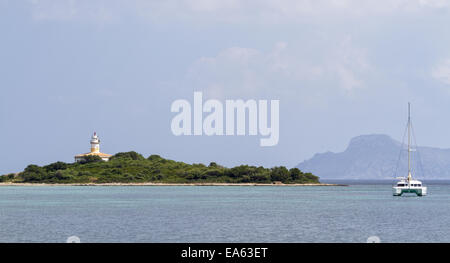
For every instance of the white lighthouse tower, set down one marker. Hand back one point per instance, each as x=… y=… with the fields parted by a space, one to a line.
x=95 y=143
x=95 y=150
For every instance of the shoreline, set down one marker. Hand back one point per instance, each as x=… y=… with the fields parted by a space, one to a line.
x=164 y=184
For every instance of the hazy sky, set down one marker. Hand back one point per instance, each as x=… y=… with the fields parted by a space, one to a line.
x=339 y=68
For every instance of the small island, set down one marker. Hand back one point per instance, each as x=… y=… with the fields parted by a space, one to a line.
x=132 y=168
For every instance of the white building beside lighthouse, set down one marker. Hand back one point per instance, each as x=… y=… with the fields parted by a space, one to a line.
x=95 y=150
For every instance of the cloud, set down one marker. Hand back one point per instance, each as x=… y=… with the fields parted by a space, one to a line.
x=229 y=11
x=233 y=68
x=285 y=70
x=434 y=3
x=441 y=72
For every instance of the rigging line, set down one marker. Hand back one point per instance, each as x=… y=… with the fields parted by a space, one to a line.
x=401 y=149
x=418 y=153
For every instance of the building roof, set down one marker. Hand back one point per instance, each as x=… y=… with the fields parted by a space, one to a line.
x=98 y=154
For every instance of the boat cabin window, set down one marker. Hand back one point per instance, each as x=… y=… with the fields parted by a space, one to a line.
x=400 y=185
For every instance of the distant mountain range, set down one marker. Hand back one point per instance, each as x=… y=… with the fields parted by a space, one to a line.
x=376 y=157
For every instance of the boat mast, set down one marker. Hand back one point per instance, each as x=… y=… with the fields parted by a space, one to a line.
x=409 y=141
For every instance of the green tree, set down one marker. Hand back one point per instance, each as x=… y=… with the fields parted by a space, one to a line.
x=154 y=157
x=34 y=173
x=56 y=166
x=295 y=174
x=279 y=173
x=128 y=155
x=91 y=159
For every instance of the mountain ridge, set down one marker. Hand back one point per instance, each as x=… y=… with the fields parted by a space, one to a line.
x=378 y=156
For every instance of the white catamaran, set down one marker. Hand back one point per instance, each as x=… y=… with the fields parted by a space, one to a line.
x=408 y=185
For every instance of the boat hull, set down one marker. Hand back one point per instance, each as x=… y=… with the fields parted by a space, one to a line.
x=419 y=191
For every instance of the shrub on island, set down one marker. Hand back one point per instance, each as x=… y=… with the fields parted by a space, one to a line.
x=132 y=167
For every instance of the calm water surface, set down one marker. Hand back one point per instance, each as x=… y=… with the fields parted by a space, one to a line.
x=222 y=214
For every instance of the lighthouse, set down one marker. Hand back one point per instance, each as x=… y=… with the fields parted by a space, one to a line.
x=95 y=150
x=95 y=143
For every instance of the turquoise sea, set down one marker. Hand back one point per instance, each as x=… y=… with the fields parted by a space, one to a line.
x=223 y=214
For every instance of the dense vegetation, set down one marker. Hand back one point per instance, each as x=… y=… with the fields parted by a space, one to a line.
x=131 y=167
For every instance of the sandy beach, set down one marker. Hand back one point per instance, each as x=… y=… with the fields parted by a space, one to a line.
x=164 y=184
